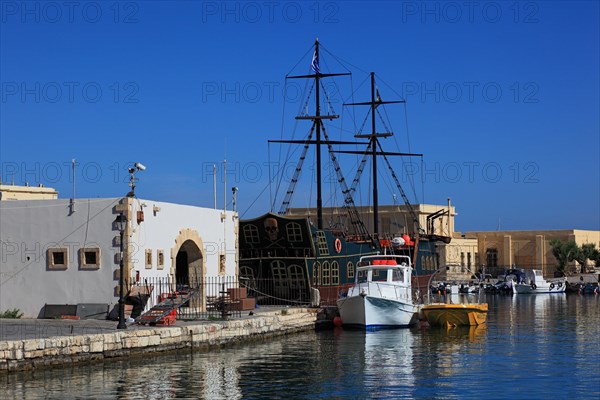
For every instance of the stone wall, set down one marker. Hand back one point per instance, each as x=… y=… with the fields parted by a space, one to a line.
x=28 y=354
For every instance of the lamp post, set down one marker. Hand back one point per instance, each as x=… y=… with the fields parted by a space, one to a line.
x=121 y=222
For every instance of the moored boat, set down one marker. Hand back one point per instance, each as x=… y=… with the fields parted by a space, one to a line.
x=533 y=282
x=382 y=294
x=452 y=315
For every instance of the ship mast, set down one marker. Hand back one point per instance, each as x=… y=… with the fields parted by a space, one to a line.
x=373 y=146
x=317 y=123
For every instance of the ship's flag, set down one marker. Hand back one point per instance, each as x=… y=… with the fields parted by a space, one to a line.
x=314 y=64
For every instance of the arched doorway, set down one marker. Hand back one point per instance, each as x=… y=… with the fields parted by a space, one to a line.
x=189 y=264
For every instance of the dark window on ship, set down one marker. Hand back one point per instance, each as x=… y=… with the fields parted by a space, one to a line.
x=326 y=274
x=294 y=232
x=350 y=270
x=247 y=276
x=317 y=274
x=335 y=273
x=280 y=278
x=296 y=274
x=322 y=243
x=251 y=234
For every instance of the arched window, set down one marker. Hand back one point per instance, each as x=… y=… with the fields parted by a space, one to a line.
x=296 y=274
x=326 y=274
x=317 y=274
x=350 y=270
x=247 y=278
x=335 y=273
x=280 y=278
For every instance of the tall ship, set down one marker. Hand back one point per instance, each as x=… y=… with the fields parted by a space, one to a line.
x=292 y=258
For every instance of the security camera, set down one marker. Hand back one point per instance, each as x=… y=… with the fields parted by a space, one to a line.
x=139 y=166
x=234 y=189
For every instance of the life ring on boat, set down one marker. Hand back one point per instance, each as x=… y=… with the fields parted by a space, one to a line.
x=559 y=285
x=551 y=286
x=338 y=246
x=533 y=286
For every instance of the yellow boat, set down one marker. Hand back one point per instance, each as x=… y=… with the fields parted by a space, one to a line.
x=451 y=315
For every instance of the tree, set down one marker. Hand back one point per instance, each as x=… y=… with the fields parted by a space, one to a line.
x=564 y=252
x=587 y=251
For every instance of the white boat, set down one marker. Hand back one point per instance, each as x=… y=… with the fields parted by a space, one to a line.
x=382 y=294
x=532 y=282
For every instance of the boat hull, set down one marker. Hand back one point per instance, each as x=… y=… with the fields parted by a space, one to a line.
x=452 y=315
x=368 y=312
x=522 y=288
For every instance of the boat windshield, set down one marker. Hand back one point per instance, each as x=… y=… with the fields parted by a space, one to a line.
x=361 y=277
x=398 y=276
x=379 y=275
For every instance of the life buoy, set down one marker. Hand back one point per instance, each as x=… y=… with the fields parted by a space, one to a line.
x=533 y=286
x=338 y=245
x=559 y=285
x=551 y=286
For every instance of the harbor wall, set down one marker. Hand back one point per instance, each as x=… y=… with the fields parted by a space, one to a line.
x=21 y=355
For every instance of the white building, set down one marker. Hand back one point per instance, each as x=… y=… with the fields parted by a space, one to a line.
x=55 y=252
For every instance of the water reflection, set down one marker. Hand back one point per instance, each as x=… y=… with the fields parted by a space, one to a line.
x=386 y=357
x=546 y=343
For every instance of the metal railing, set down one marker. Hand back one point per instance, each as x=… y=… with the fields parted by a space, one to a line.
x=216 y=297
x=213 y=297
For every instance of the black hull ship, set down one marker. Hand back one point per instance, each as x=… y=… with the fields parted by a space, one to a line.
x=290 y=259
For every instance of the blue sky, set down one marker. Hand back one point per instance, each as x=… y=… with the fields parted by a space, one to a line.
x=502 y=99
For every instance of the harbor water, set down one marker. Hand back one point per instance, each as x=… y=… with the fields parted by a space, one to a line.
x=533 y=347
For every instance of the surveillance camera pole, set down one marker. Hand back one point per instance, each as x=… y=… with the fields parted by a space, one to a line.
x=137 y=167
x=121 y=324
x=131 y=182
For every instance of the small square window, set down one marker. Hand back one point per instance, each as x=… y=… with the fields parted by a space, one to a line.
x=160 y=256
x=89 y=258
x=57 y=258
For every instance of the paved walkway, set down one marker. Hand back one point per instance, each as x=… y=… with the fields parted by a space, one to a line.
x=23 y=329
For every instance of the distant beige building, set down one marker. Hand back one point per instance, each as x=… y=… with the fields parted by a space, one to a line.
x=467 y=253
x=393 y=219
x=527 y=249
x=40 y=192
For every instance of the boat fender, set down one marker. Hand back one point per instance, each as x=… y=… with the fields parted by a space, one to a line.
x=338 y=246
x=533 y=286
x=551 y=286
x=559 y=285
